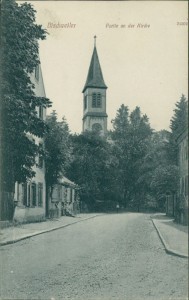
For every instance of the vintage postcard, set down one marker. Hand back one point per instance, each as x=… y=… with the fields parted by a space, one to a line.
x=99 y=204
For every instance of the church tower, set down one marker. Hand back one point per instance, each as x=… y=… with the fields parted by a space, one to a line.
x=94 y=97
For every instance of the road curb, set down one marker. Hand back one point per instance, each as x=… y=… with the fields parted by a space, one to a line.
x=44 y=231
x=166 y=247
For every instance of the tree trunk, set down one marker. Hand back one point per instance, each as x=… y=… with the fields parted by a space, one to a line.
x=125 y=198
x=7 y=189
x=47 y=201
x=138 y=201
x=6 y=206
x=7 y=180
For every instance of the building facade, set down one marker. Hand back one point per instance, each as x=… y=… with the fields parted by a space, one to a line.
x=182 y=205
x=94 y=98
x=30 y=197
x=65 y=199
x=171 y=204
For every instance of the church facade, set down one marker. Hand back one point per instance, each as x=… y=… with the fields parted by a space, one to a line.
x=94 y=98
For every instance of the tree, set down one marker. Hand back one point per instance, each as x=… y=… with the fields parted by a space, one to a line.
x=120 y=150
x=156 y=166
x=19 y=57
x=57 y=150
x=164 y=179
x=180 y=118
x=121 y=124
x=164 y=172
x=178 y=123
x=131 y=135
x=89 y=168
x=160 y=167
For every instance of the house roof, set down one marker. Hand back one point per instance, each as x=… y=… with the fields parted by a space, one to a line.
x=95 y=78
x=65 y=181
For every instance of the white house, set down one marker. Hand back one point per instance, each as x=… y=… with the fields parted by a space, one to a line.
x=65 y=199
x=30 y=197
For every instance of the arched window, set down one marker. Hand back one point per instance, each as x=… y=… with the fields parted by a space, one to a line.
x=96 y=100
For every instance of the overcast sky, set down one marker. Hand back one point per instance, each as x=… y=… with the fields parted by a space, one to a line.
x=144 y=67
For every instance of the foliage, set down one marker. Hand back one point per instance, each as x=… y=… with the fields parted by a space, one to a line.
x=133 y=166
x=159 y=168
x=165 y=179
x=89 y=168
x=179 y=120
x=131 y=137
x=155 y=166
x=178 y=124
x=57 y=149
x=19 y=57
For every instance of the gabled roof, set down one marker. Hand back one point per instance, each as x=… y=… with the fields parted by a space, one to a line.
x=95 y=78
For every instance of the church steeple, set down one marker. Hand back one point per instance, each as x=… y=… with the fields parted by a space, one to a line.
x=94 y=98
x=95 y=77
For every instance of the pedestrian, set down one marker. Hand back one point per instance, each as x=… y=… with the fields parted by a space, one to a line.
x=117 y=207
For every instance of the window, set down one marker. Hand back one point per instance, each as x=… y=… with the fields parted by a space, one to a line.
x=18 y=191
x=59 y=193
x=75 y=196
x=186 y=186
x=24 y=193
x=65 y=194
x=29 y=195
x=41 y=112
x=40 y=194
x=96 y=100
x=37 y=72
x=40 y=162
x=85 y=102
x=71 y=194
x=33 y=194
x=182 y=186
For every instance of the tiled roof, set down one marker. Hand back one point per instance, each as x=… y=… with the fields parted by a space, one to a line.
x=95 y=77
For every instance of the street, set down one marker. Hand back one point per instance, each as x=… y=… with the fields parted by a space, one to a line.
x=113 y=256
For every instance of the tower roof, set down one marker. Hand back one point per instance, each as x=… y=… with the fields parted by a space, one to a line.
x=95 y=78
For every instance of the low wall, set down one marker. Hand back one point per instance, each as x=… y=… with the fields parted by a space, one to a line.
x=29 y=215
x=54 y=213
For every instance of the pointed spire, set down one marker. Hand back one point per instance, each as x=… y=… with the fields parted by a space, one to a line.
x=95 y=78
x=95 y=40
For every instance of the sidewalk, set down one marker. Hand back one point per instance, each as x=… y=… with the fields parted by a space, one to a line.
x=20 y=232
x=173 y=236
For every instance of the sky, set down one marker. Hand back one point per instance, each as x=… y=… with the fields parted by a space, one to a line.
x=142 y=66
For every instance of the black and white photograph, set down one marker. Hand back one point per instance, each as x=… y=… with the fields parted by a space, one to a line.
x=94 y=150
